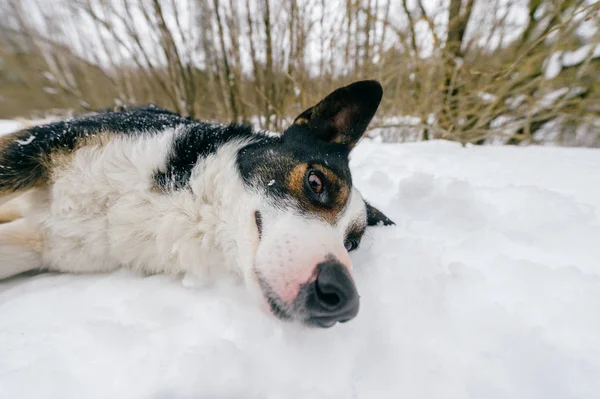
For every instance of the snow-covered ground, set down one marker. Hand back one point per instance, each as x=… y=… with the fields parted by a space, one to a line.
x=488 y=287
x=9 y=126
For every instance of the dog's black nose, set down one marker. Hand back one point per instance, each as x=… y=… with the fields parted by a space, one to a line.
x=332 y=297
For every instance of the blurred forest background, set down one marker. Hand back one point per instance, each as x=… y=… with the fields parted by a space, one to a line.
x=474 y=71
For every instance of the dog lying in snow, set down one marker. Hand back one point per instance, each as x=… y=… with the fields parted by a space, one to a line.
x=149 y=190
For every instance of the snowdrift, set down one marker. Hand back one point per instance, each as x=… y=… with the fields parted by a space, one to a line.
x=488 y=287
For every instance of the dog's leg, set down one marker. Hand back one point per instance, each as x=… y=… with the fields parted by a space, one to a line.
x=22 y=204
x=4 y=197
x=10 y=211
x=20 y=248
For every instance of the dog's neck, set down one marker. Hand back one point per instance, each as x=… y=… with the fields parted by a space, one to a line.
x=222 y=230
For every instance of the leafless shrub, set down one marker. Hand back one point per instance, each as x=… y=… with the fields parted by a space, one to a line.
x=473 y=71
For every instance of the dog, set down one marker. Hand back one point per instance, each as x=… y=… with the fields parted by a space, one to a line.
x=149 y=190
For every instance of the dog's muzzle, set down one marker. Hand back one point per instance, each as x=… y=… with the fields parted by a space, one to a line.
x=331 y=297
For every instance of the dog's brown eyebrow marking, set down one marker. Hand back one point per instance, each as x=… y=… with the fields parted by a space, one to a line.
x=295 y=180
x=338 y=191
x=301 y=121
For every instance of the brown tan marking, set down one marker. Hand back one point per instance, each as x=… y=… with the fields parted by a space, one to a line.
x=7 y=192
x=9 y=138
x=9 y=212
x=295 y=182
x=61 y=158
x=301 y=121
x=57 y=158
x=338 y=190
x=5 y=140
x=9 y=196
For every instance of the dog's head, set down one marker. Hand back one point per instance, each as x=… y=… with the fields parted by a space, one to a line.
x=309 y=216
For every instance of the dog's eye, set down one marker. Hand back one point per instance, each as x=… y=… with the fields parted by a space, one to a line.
x=316 y=183
x=350 y=244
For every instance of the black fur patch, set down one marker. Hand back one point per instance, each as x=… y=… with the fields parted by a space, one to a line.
x=355 y=231
x=149 y=108
x=24 y=154
x=198 y=140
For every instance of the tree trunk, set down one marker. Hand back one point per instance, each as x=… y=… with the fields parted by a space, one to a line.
x=229 y=78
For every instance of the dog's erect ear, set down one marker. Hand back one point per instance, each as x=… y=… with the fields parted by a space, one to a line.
x=343 y=116
x=376 y=218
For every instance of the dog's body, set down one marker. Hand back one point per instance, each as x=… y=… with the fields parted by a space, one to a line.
x=149 y=190
x=114 y=201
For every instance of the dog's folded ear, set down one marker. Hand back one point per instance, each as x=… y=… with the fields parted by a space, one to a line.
x=377 y=218
x=343 y=116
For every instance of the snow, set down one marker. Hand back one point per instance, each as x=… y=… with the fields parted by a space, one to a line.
x=398 y=128
x=27 y=141
x=549 y=99
x=553 y=65
x=50 y=90
x=488 y=287
x=576 y=57
x=560 y=59
x=487 y=97
x=7 y=126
